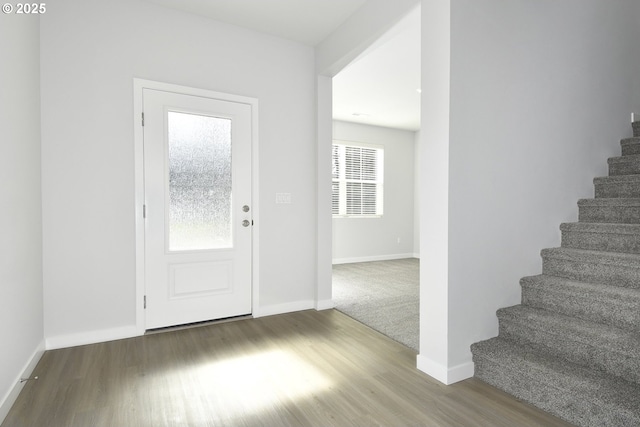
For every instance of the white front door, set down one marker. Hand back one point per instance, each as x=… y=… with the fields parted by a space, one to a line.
x=197 y=183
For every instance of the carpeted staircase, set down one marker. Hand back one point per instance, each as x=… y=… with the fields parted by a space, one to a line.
x=572 y=347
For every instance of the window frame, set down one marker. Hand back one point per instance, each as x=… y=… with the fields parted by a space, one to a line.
x=342 y=179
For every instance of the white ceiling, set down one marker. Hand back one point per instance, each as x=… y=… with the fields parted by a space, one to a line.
x=304 y=21
x=381 y=84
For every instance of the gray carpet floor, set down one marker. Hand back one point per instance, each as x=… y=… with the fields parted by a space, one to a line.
x=383 y=295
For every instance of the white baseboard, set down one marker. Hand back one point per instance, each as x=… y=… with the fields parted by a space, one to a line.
x=325 y=305
x=290 y=307
x=416 y=255
x=635 y=117
x=83 y=338
x=9 y=399
x=444 y=374
x=372 y=258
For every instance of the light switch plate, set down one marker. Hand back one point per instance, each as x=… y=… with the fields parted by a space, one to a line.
x=283 y=198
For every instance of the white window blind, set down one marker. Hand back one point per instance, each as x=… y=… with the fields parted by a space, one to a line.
x=357 y=187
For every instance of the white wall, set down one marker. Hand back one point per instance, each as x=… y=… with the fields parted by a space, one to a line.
x=636 y=55
x=91 y=51
x=358 y=32
x=540 y=96
x=324 y=267
x=366 y=239
x=416 y=195
x=21 y=327
x=434 y=190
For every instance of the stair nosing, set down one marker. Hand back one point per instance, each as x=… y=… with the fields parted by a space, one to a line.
x=630 y=141
x=573 y=254
x=630 y=158
x=602 y=288
x=610 y=201
x=601 y=227
x=614 y=179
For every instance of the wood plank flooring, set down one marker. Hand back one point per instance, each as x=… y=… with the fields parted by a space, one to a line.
x=301 y=369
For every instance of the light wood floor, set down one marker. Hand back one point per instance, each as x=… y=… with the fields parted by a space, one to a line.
x=301 y=369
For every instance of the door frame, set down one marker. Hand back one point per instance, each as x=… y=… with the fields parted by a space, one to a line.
x=138 y=86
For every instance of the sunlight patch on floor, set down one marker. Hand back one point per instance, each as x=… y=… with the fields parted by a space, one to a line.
x=266 y=379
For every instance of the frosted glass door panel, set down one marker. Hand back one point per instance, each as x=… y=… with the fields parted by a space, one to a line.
x=199 y=182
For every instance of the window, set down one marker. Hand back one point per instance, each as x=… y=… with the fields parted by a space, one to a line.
x=358 y=172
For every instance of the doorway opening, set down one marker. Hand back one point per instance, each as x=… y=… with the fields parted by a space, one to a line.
x=376 y=100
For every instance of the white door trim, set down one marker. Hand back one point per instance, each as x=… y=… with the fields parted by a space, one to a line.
x=138 y=86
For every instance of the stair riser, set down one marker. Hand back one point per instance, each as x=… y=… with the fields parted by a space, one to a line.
x=593 y=354
x=617 y=190
x=599 y=308
x=636 y=129
x=630 y=149
x=624 y=168
x=607 y=242
x=562 y=402
x=609 y=214
x=609 y=274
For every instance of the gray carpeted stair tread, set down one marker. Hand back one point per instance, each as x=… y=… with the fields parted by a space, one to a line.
x=601 y=236
x=581 y=396
x=630 y=146
x=596 y=302
x=624 y=165
x=617 y=269
x=610 y=210
x=626 y=186
x=595 y=345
